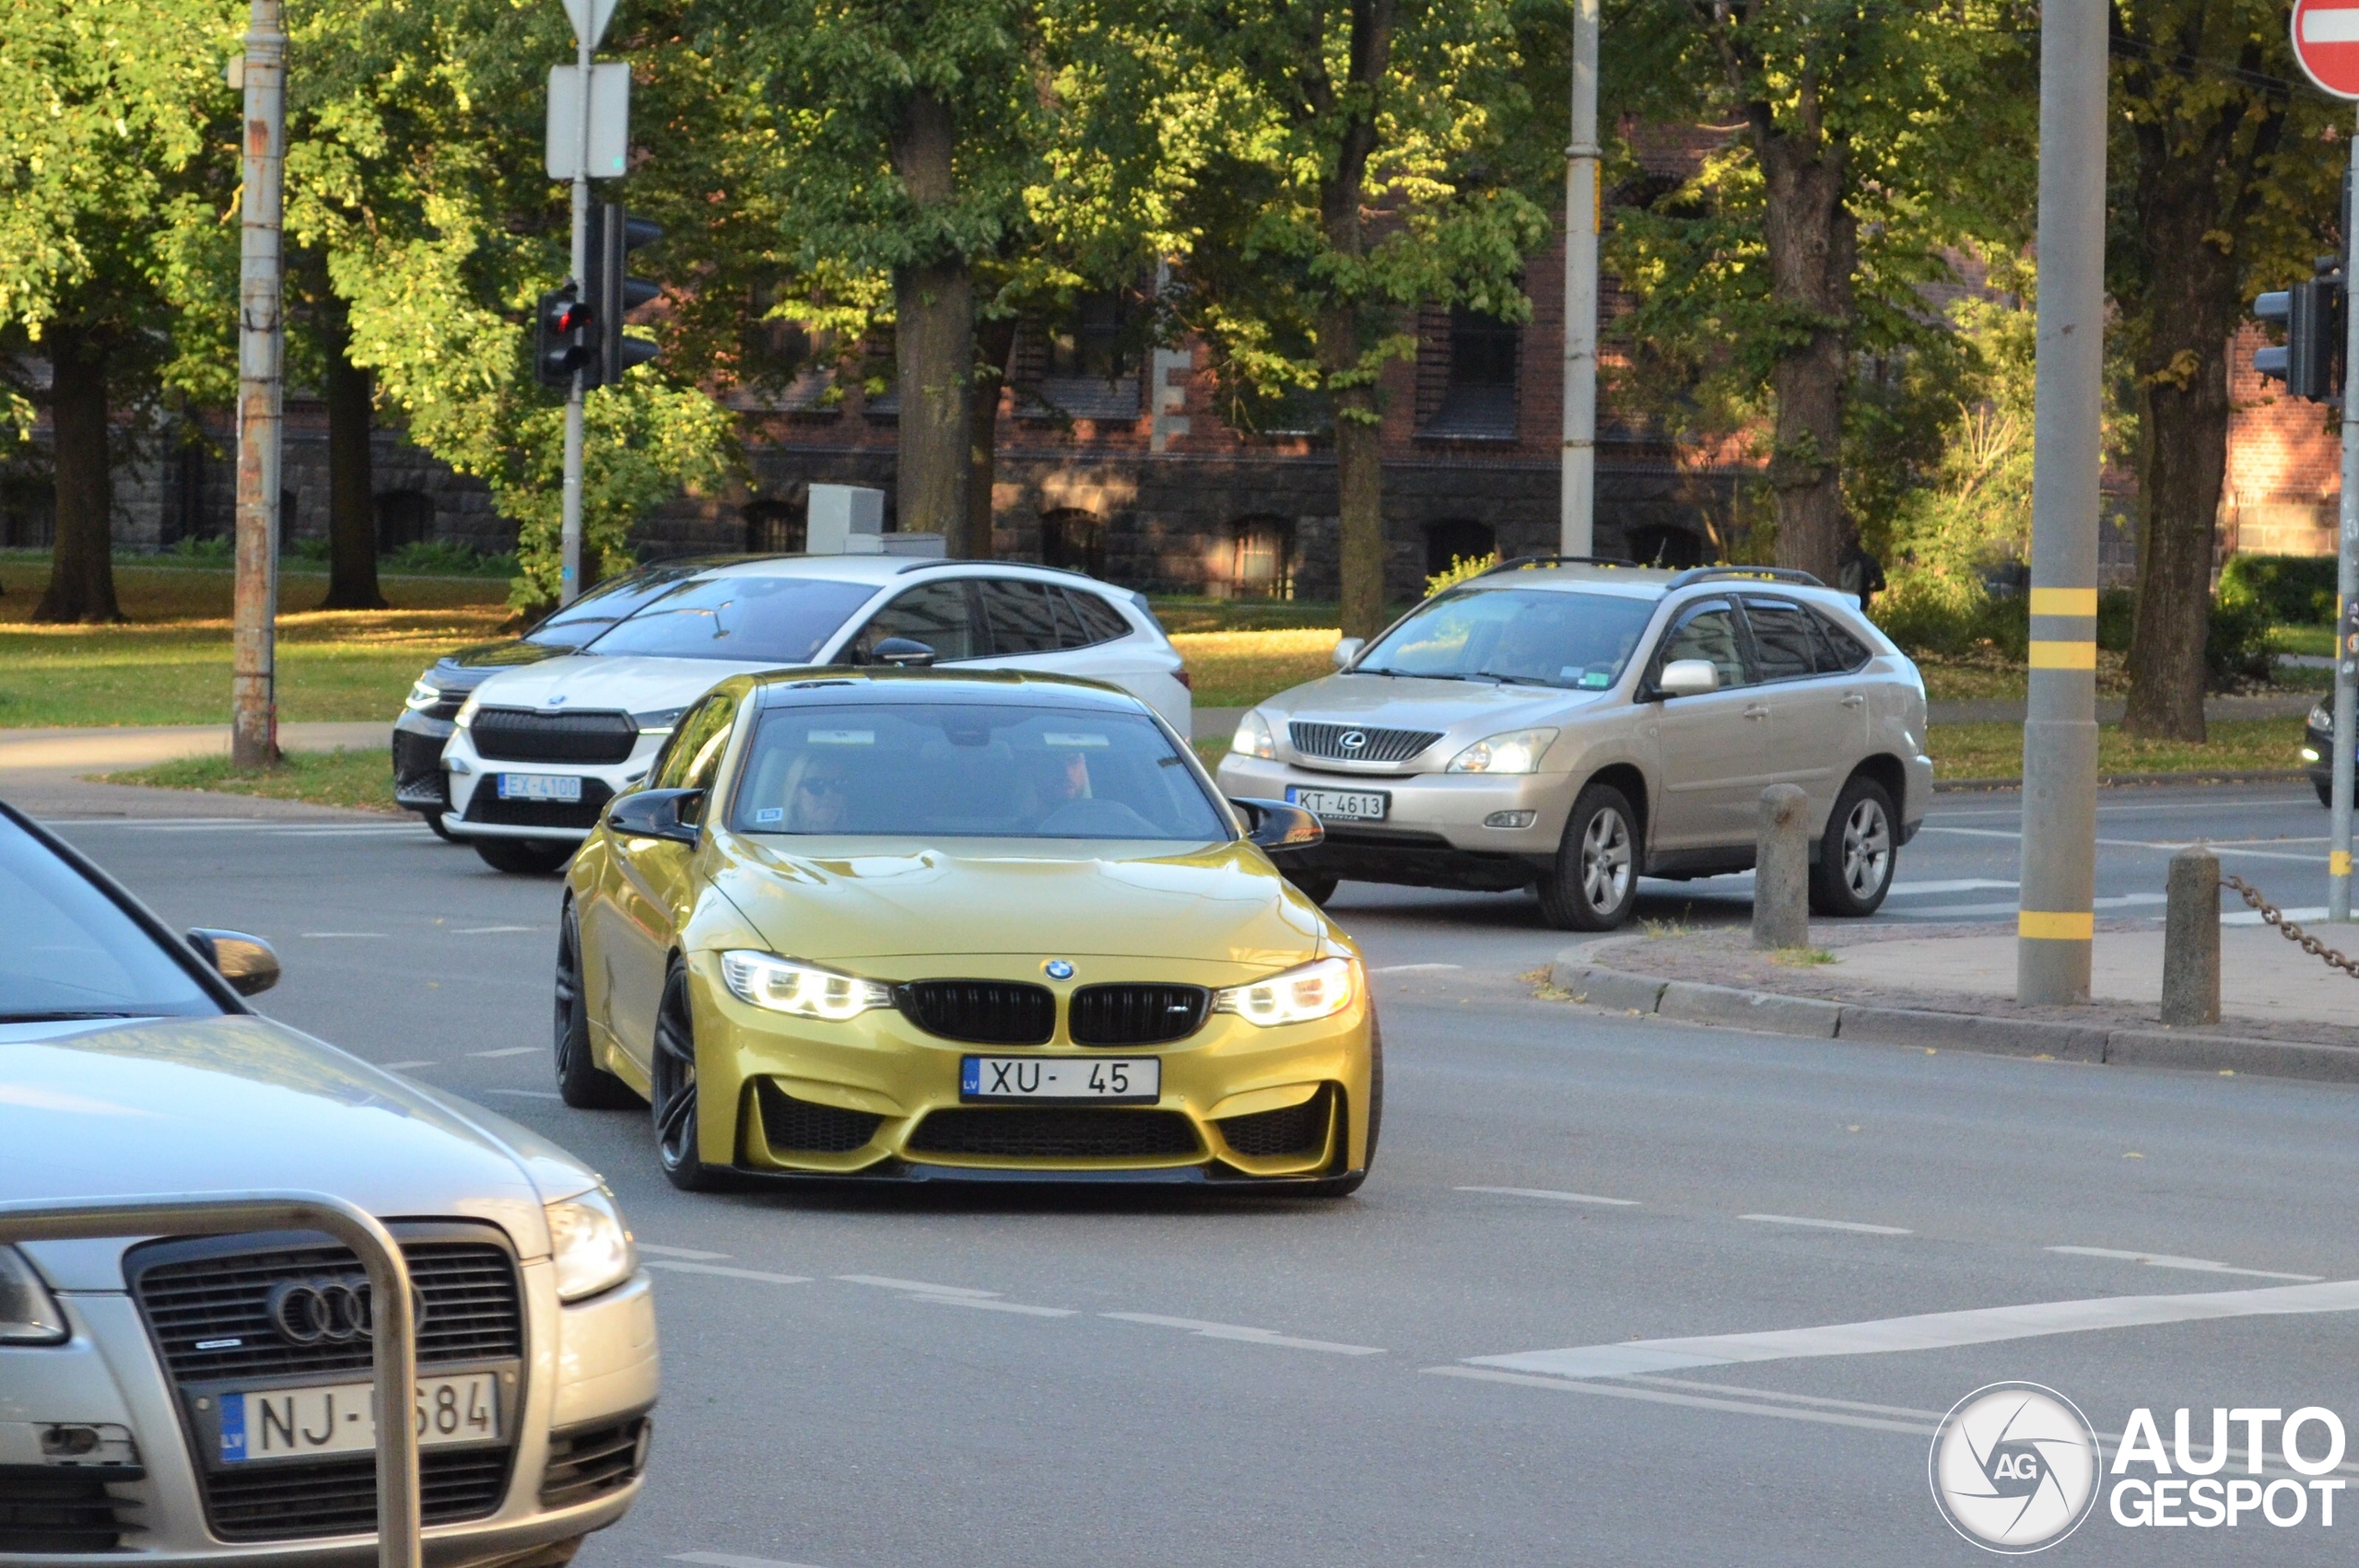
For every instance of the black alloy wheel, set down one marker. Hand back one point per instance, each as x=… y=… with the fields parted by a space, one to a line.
x=1314 y=887
x=674 y=1101
x=1344 y=1185
x=1595 y=880
x=580 y=1081
x=524 y=857
x=1856 y=854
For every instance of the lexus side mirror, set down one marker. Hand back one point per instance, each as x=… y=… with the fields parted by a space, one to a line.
x=1278 y=826
x=248 y=963
x=667 y=815
x=902 y=653
x=1348 y=650
x=1687 y=677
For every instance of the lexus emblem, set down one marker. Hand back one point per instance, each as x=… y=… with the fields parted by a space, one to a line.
x=331 y=1309
x=1351 y=740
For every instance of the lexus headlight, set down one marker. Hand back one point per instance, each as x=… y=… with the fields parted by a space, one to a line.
x=1517 y=750
x=466 y=714
x=1252 y=737
x=2322 y=719
x=421 y=695
x=764 y=980
x=1297 y=996
x=29 y=1313
x=590 y=1245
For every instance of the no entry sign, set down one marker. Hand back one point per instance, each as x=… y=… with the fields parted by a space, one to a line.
x=2326 y=41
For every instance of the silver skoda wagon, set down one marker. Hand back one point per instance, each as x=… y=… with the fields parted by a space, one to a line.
x=1573 y=725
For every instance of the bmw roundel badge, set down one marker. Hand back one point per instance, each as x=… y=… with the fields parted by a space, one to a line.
x=1057 y=969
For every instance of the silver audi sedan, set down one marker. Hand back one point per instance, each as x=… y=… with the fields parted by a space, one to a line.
x=206 y=1400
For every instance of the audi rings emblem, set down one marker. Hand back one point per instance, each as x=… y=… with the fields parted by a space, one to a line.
x=330 y=1309
x=1351 y=740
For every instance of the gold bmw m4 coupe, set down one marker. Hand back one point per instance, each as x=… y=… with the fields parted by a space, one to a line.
x=997 y=926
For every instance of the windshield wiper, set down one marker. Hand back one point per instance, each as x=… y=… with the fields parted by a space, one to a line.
x=1517 y=679
x=64 y=1015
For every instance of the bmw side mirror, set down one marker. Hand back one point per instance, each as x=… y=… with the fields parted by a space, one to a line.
x=902 y=653
x=669 y=814
x=1687 y=677
x=1278 y=826
x=1348 y=650
x=248 y=963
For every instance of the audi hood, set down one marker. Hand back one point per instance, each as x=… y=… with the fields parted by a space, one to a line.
x=241 y=1104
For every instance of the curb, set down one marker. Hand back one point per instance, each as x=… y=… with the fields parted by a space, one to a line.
x=2124 y=780
x=2048 y=1040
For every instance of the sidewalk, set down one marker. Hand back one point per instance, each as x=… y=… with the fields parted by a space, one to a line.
x=42 y=770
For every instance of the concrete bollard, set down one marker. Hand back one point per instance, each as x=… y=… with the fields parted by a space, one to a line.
x=2191 y=939
x=1781 y=869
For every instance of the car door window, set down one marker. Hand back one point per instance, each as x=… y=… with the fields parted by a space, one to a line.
x=935 y=614
x=1022 y=615
x=1841 y=651
x=1710 y=632
x=1099 y=621
x=1783 y=640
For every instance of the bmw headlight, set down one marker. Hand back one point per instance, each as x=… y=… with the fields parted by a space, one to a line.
x=764 y=980
x=466 y=714
x=1296 y=996
x=2322 y=719
x=1517 y=750
x=590 y=1245
x=29 y=1313
x=1252 y=737
x=422 y=695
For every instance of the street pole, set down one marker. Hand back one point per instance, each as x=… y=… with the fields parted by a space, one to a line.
x=1577 y=519
x=2346 y=571
x=2056 y=919
x=253 y=728
x=570 y=574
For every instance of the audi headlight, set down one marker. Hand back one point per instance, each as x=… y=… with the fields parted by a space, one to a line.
x=764 y=980
x=2322 y=719
x=1517 y=750
x=466 y=714
x=590 y=1245
x=29 y=1313
x=1252 y=737
x=423 y=695
x=1296 y=996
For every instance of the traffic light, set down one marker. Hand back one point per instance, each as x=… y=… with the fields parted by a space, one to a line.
x=612 y=293
x=2310 y=363
x=563 y=341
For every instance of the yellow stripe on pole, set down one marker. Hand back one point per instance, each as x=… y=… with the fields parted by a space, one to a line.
x=2338 y=862
x=2057 y=924
x=2074 y=655
x=2063 y=600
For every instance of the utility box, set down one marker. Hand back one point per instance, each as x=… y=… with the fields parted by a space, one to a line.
x=845 y=519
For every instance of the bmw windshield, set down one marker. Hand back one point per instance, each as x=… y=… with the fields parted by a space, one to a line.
x=1517 y=636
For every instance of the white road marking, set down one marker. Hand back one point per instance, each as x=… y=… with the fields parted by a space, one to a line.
x=729 y=1560
x=527 y=1093
x=1829 y=1225
x=984 y=1304
x=1556 y=1197
x=406 y=1066
x=1955 y=884
x=328 y=936
x=887 y=1282
x=1243 y=1335
x=2252 y=917
x=2165 y=1261
x=488 y=930
x=1695 y=1401
x=1928 y=1332
x=1409 y=968
x=511 y=1050
x=1782 y=1397
x=1943 y=911
x=2230 y=847
x=718 y=1271
x=690 y=1252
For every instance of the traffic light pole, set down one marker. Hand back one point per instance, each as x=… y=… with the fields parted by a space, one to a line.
x=2346 y=652
x=569 y=573
x=2056 y=922
x=254 y=724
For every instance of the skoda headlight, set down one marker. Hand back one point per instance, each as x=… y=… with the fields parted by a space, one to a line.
x=1252 y=737
x=1297 y=996
x=590 y=1245
x=29 y=1313
x=658 y=724
x=1517 y=750
x=764 y=980
x=466 y=714
x=2322 y=719
x=422 y=695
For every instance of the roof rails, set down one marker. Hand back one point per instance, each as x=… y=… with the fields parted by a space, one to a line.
x=1521 y=562
x=1741 y=574
x=925 y=561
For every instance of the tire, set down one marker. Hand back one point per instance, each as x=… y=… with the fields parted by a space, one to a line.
x=433 y=820
x=1856 y=854
x=1595 y=880
x=1315 y=887
x=523 y=856
x=1344 y=1185
x=2326 y=795
x=556 y=1554
x=672 y=1104
x=580 y=1081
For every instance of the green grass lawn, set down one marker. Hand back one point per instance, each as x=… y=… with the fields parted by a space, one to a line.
x=2240 y=746
x=362 y=780
x=2317 y=641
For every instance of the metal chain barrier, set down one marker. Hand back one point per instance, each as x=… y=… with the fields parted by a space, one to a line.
x=2273 y=916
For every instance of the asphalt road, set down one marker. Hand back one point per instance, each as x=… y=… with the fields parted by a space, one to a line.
x=880 y=1379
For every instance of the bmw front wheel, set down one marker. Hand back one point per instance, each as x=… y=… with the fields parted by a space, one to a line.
x=673 y=1081
x=1595 y=879
x=580 y=1081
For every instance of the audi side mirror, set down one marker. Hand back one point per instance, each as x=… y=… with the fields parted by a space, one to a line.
x=668 y=815
x=1278 y=826
x=902 y=653
x=1348 y=650
x=1687 y=677
x=248 y=963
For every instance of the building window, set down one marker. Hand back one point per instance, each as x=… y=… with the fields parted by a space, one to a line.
x=1261 y=559
x=1456 y=540
x=404 y=517
x=1083 y=365
x=775 y=528
x=1666 y=546
x=1479 y=403
x=1074 y=539
x=28 y=513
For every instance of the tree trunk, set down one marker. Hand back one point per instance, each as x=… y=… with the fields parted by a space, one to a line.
x=352 y=522
x=994 y=344
x=81 y=576
x=1812 y=240
x=1359 y=451
x=933 y=340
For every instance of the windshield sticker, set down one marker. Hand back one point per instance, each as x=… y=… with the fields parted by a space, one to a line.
x=1054 y=739
x=843 y=737
x=1595 y=679
x=771 y=813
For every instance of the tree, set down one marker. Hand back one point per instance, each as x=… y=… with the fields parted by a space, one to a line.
x=107 y=207
x=352 y=417
x=2224 y=176
x=1355 y=161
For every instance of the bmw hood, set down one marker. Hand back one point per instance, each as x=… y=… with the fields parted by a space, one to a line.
x=630 y=683
x=1402 y=702
x=187 y=1106
x=847 y=900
